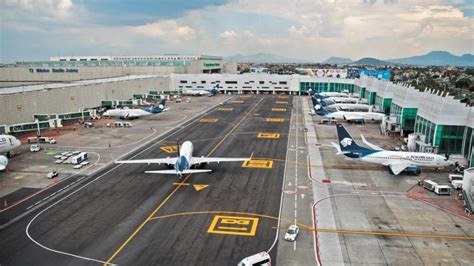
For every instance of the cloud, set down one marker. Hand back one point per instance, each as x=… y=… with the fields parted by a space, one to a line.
x=166 y=29
x=309 y=29
x=228 y=35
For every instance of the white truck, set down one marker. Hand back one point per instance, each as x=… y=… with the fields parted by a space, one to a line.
x=437 y=188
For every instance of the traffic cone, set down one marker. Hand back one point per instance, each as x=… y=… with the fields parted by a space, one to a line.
x=5 y=204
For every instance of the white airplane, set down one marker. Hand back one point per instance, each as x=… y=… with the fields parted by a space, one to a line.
x=209 y=92
x=7 y=143
x=329 y=94
x=127 y=113
x=397 y=161
x=184 y=161
x=346 y=107
x=351 y=116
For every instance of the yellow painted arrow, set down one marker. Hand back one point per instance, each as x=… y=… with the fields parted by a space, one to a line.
x=200 y=187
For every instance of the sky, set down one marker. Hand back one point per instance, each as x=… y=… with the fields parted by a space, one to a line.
x=32 y=30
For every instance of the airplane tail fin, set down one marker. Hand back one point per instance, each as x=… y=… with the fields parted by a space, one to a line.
x=322 y=111
x=160 y=107
x=347 y=142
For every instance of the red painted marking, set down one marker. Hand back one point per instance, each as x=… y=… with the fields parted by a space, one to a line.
x=326 y=181
x=5 y=204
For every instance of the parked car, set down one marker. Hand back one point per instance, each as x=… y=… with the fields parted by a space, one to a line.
x=77 y=166
x=84 y=163
x=58 y=161
x=52 y=174
x=292 y=233
x=57 y=156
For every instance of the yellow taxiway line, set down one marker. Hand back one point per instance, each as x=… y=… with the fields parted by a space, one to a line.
x=125 y=243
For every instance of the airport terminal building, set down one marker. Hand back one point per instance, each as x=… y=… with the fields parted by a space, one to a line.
x=444 y=124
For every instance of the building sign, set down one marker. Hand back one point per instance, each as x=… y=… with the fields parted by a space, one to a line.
x=212 y=65
x=54 y=70
x=379 y=74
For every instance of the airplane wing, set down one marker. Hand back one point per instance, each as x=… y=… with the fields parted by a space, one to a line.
x=397 y=168
x=150 y=161
x=350 y=117
x=372 y=146
x=199 y=160
x=173 y=172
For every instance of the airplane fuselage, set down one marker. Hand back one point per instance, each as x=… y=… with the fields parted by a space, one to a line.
x=413 y=158
x=8 y=143
x=184 y=160
x=127 y=112
x=343 y=115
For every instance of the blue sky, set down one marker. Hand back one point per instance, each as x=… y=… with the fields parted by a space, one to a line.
x=304 y=29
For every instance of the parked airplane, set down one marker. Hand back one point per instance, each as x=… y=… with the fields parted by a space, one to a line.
x=7 y=143
x=184 y=161
x=127 y=113
x=209 y=92
x=349 y=107
x=351 y=116
x=329 y=94
x=397 y=161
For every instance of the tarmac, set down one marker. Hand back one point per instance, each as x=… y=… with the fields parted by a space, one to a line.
x=348 y=212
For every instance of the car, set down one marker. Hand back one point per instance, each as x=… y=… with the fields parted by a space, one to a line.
x=63 y=158
x=292 y=233
x=52 y=141
x=84 y=163
x=77 y=166
x=35 y=147
x=58 y=161
x=64 y=153
x=69 y=154
x=57 y=156
x=76 y=152
x=52 y=174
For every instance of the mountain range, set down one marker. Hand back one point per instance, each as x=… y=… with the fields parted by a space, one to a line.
x=435 y=58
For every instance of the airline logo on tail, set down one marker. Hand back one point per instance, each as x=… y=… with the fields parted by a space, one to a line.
x=346 y=142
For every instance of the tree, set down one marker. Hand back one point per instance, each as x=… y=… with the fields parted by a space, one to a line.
x=463 y=83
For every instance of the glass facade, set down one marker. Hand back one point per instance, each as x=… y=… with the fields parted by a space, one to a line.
x=326 y=86
x=468 y=143
x=360 y=91
x=451 y=139
x=384 y=104
x=448 y=139
x=426 y=128
x=408 y=118
x=370 y=96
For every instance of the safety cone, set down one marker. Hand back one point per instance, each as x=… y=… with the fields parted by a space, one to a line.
x=5 y=204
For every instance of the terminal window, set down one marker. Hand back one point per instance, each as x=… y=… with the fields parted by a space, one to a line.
x=183 y=81
x=231 y=82
x=261 y=82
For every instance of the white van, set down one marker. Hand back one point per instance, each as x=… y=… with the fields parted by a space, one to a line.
x=261 y=258
x=442 y=190
x=453 y=177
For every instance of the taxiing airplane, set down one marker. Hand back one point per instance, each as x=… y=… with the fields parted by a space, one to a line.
x=127 y=113
x=7 y=143
x=184 y=161
x=351 y=116
x=397 y=161
x=209 y=92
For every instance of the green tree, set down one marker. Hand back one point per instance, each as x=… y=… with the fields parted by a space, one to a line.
x=463 y=83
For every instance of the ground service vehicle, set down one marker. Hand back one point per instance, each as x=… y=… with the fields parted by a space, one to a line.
x=77 y=159
x=35 y=147
x=261 y=258
x=292 y=233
